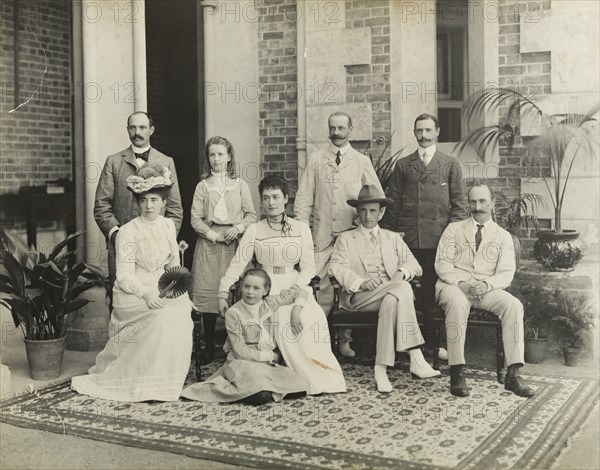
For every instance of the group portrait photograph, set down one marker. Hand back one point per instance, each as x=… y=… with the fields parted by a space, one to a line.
x=300 y=234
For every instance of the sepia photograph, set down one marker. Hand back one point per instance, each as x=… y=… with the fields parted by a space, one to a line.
x=300 y=234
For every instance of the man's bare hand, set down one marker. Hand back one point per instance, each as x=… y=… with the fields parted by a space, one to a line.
x=479 y=288
x=222 y=305
x=465 y=287
x=370 y=284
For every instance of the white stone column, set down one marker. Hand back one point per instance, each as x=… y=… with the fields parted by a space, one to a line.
x=114 y=76
x=114 y=86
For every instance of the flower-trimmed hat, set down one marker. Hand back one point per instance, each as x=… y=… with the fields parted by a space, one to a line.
x=369 y=193
x=149 y=178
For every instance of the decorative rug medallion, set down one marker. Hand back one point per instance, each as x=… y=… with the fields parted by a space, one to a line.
x=418 y=425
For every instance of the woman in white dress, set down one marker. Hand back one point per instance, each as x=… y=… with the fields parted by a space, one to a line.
x=279 y=243
x=148 y=354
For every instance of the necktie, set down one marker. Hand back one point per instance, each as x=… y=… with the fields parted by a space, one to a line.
x=143 y=155
x=425 y=158
x=338 y=158
x=373 y=238
x=478 y=237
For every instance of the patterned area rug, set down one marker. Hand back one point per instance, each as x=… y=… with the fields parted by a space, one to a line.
x=419 y=425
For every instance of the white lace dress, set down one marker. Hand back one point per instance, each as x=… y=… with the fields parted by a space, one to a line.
x=308 y=354
x=148 y=354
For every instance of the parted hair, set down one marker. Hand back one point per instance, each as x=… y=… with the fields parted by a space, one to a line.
x=258 y=272
x=231 y=167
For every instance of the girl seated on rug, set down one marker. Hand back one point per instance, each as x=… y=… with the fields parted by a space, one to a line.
x=252 y=373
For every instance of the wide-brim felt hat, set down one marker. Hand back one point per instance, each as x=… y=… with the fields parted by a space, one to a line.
x=369 y=193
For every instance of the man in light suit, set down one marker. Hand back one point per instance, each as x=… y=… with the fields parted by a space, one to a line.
x=374 y=266
x=115 y=205
x=428 y=194
x=330 y=178
x=475 y=263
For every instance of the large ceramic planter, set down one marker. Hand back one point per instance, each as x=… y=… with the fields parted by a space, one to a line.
x=558 y=251
x=535 y=350
x=572 y=356
x=45 y=357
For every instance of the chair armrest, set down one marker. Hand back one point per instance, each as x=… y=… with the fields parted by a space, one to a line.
x=337 y=289
x=315 y=284
x=234 y=291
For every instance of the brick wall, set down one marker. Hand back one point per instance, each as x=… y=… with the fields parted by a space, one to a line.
x=277 y=71
x=35 y=140
x=370 y=83
x=527 y=73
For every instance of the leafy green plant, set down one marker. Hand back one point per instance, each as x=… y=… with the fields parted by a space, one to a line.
x=384 y=167
x=573 y=315
x=537 y=315
x=517 y=213
x=559 y=133
x=43 y=289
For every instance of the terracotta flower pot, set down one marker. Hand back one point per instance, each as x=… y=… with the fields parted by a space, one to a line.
x=535 y=350
x=45 y=357
x=558 y=251
x=572 y=356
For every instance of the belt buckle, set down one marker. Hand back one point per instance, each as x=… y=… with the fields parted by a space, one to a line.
x=278 y=269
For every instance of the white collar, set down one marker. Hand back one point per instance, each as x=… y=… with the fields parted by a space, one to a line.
x=486 y=225
x=343 y=150
x=140 y=149
x=253 y=308
x=367 y=231
x=430 y=151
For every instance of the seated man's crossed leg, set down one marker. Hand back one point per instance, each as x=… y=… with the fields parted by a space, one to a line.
x=397 y=330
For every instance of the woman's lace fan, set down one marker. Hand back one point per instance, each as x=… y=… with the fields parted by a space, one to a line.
x=174 y=282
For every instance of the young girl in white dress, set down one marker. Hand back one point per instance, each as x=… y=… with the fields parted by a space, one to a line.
x=148 y=354
x=252 y=373
x=279 y=243
x=222 y=209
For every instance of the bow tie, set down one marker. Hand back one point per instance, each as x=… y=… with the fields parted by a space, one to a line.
x=143 y=155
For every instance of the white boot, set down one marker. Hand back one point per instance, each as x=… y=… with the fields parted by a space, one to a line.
x=345 y=338
x=419 y=367
x=381 y=378
x=442 y=354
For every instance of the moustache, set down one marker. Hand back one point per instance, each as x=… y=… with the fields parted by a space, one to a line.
x=138 y=137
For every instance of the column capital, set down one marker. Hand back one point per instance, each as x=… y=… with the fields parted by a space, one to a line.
x=209 y=4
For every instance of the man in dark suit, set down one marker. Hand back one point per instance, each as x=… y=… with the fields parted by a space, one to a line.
x=115 y=205
x=428 y=193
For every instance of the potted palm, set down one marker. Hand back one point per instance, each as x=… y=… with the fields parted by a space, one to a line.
x=41 y=292
x=517 y=214
x=561 y=140
x=537 y=318
x=574 y=317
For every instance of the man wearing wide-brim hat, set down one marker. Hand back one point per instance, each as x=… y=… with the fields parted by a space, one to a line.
x=374 y=266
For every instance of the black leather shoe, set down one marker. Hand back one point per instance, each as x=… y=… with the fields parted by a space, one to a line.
x=514 y=383
x=208 y=354
x=458 y=385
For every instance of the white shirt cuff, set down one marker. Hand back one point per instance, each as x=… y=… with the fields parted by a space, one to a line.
x=212 y=236
x=112 y=230
x=355 y=286
x=407 y=275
